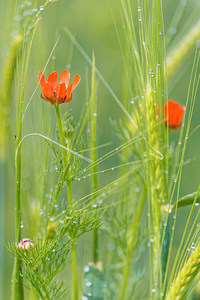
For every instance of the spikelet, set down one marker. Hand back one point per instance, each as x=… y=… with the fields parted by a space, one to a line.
x=185 y=277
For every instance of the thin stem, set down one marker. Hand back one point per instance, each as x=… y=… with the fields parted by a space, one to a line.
x=17 y=280
x=69 y=192
x=62 y=139
x=66 y=158
x=74 y=272
x=131 y=246
x=93 y=154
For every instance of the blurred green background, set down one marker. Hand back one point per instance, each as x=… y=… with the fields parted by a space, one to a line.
x=92 y=23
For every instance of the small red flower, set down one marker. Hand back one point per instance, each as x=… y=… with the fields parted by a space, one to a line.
x=58 y=92
x=173 y=114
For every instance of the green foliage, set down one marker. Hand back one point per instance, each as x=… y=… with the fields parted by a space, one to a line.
x=43 y=263
x=127 y=172
x=77 y=222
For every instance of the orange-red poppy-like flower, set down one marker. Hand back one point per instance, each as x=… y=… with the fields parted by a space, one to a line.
x=57 y=92
x=173 y=114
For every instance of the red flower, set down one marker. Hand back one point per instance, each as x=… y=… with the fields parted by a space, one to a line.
x=173 y=114
x=57 y=92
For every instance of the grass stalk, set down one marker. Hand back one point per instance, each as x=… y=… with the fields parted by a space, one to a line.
x=131 y=243
x=70 y=202
x=17 y=279
x=93 y=153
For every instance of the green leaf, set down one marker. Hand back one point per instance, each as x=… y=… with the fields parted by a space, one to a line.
x=94 y=284
x=187 y=200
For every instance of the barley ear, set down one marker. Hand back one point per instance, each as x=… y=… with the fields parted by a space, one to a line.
x=184 y=279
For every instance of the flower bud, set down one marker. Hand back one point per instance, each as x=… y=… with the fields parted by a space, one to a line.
x=25 y=244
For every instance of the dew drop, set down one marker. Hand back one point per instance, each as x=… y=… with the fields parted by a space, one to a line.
x=88 y=283
x=132 y=101
x=84 y=298
x=86 y=269
x=94 y=114
x=153 y=290
x=51 y=219
x=53 y=57
x=151 y=240
x=196 y=204
x=140 y=20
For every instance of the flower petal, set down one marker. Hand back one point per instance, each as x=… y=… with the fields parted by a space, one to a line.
x=46 y=88
x=181 y=113
x=53 y=80
x=73 y=85
x=68 y=98
x=65 y=77
x=41 y=78
x=61 y=91
x=173 y=114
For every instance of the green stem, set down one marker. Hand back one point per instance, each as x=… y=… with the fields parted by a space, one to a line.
x=131 y=243
x=70 y=202
x=17 y=280
x=74 y=272
x=69 y=192
x=93 y=154
x=62 y=139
